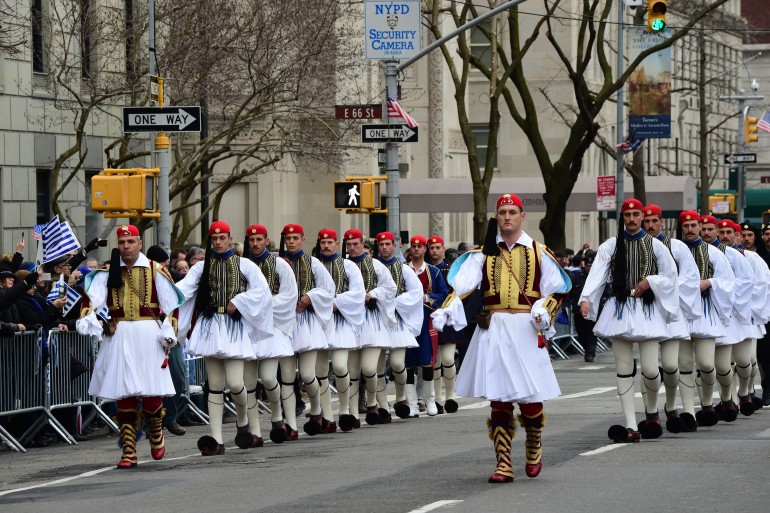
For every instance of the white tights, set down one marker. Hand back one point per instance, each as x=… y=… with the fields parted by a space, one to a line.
x=342 y=380
x=288 y=365
x=445 y=365
x=703 y=351
x=218 y=371
x=624 y=365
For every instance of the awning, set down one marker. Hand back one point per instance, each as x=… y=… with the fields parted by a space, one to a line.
x=674 y=193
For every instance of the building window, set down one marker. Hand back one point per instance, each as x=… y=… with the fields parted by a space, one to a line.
x=481 y=132
x=38 y=52
x=86 y=31
x=43 y=189
x=480 y=46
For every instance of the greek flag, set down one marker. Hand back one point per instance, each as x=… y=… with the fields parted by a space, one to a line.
x=104 y=313
x=72 y=296
x=58 y=239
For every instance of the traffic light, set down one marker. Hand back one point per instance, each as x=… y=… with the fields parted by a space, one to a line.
x=357 y=194
x=125 y=192
x=750 y=129
x=656 y=15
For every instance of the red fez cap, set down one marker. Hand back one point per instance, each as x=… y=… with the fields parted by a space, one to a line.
x=652 y=210
x=436 y=240
x=738 y=228
x=293 y=228
x=689 y=215
x=708 y=220
x=327 y=233
x=726 y=223
x=256 y=229
x=353 y=233
x=510 y=199
x=631 y=204
x=219 y=227
x=128 y=230
x=418 y=239
x=385 y=236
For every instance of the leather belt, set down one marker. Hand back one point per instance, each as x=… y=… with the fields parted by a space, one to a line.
x=511 y=310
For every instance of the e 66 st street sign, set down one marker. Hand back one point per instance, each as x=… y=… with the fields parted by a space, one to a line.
x=161 y=119
x=372 y=111
x=740 y=158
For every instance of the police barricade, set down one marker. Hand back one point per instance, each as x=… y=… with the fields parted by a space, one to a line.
x=195 y=378
x=72 y=361
x=572 y=340
x=26 y=386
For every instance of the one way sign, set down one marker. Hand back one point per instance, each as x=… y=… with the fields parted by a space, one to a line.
x=161 y=119
x=385 y=133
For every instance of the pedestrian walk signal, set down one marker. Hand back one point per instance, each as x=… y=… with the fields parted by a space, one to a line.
x=357 y=195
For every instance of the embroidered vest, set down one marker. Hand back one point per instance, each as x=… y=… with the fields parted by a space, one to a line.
x=701 y=254
x=125 y=305
x=225 y=281
x=640 y=260
x=367 y=271
x=303 y=272
x=268 y=267
x=501 y=290
x=336 y=268
x=397 y=272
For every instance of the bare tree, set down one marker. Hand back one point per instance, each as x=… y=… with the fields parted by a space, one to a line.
x=12 y=33
x=266 y=74
x=592 y=47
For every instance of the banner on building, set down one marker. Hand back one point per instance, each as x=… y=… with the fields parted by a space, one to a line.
x=649 y=87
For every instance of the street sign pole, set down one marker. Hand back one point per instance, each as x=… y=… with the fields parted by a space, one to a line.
x=391 y=148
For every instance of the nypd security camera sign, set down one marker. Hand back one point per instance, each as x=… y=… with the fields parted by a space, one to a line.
x=393 y=29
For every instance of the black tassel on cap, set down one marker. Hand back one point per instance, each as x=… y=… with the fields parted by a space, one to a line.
x=317 y=248
x=114 y=280
x=203 y=296
x=282 y=246
x=247 y=249
x=619 y=288
x=490 y=241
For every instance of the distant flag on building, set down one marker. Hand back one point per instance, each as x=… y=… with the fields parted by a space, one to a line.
x=764 y=123
x=631 y=144
x=72 y=296
x=396 y=111
x=58 y=239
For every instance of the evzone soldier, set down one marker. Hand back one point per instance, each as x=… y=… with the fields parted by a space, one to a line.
x=230 y=307
x=645 y=298
x=743 y=332
x=283 y=288
x=315 y=288
x=343 y=330
x=752 y=242
x=409 y=319
x=130 y=364
x=434 y=293
x=507 y=360
x=689 y=311
x=717 y=281
x=380 y=315
x=447 y=340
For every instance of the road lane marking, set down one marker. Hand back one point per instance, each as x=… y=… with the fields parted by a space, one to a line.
x=434 y=505
x=593 y=391
x=603 y=449
x=474 y=406
x=764 y=434
x=592 y=367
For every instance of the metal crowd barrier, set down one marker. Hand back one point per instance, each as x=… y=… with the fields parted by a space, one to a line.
x=195 y=376
x=30 y=385
x=73 y=358
x=26 y=386
x=573 y=341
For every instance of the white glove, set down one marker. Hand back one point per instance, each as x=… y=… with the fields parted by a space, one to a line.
x=540 y=320
x=439 y=319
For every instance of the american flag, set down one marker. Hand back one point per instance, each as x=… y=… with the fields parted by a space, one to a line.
x=37 y=230
x=764 y=123
x=631 y=144
x=396 y=111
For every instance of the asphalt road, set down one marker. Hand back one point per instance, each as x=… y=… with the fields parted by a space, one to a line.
x=418 y=465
